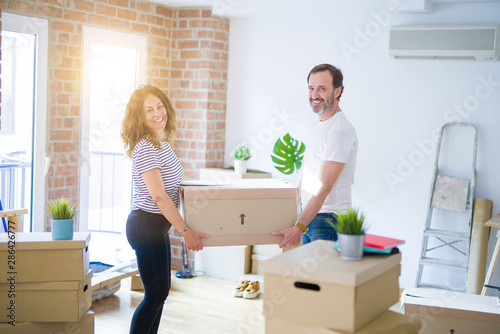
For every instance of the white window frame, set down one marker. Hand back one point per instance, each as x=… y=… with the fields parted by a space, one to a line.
x=91 y=36
x=41 y=162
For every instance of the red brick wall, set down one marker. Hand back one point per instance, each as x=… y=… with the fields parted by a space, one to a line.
x=187 y=57
x=198 y=84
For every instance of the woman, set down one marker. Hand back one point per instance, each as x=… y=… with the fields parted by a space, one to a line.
x=148 y=129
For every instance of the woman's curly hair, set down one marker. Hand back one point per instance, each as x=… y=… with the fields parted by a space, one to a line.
x=134 y=127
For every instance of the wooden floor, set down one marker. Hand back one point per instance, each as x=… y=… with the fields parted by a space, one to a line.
x=200 y=305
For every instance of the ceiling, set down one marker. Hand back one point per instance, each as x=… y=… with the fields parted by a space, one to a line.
x=241 y=8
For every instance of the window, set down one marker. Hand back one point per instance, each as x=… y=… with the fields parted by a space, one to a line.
x=113 y=66
x=23 y=161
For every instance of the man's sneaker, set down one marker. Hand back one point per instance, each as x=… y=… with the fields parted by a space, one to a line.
x=238 y=292
x=252 y=290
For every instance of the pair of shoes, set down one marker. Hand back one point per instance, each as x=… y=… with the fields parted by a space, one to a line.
x=247 y=289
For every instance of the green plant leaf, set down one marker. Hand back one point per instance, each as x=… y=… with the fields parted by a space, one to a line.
x=288 y=154
x=241 y=152
x=352 y=221
x=62 y=209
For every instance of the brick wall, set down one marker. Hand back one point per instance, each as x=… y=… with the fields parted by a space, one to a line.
x=198 y=84
x=187 y=57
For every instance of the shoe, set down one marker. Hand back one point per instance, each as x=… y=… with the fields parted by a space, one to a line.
x=238 y=292
x=252 y=290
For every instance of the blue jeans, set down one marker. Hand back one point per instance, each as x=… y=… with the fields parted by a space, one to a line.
x=320 y=229
x=147 y=233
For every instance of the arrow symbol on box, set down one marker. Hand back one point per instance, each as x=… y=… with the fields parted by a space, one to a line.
x=242 y=216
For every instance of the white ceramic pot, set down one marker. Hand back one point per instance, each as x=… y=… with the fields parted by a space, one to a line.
x=240 y=166
x=351 y=246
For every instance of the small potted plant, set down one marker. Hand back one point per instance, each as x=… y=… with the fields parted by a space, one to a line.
x=351 y=228
x=241 y=155
x=62 y=213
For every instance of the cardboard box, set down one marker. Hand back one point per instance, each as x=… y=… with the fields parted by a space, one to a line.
x=388 y=323
x=257 y=263
x=340 y=295
x=223 y=175
x=38 y=258
x=136 y=283
x=86 y=325
x=268 y=250
x=241 y=212
x=442 y=311
x=65 y=301
x=228 y=262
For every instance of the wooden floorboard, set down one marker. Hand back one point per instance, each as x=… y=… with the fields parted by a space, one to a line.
x=200 y=305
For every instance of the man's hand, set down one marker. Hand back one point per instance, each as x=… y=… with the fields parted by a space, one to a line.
x=291 y=236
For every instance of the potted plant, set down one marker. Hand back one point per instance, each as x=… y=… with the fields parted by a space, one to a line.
x=62 y=213
x=351 y=228
x=241 y=155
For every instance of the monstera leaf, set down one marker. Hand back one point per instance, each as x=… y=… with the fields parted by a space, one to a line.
x=287 y=154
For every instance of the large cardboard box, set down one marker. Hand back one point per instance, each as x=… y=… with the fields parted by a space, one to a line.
x=241 y=212
x=388 y=323
x=311 y=285
x=38 y=258
x=84 y=326
x=442 y=311
x=223 y=175
x=46 y=301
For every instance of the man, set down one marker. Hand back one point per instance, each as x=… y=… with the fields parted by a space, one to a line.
x=327 y=172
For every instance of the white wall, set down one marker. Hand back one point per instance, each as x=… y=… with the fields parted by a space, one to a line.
x=395 y=106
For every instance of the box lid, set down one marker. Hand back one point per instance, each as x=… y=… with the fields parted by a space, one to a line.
x=320 y=261
x=240 y=189
x=43 y=240
x=451 y=304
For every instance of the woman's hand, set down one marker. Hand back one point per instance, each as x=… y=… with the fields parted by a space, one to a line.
x=192 y=239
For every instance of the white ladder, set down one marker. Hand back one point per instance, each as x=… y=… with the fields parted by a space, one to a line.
x=451 y=194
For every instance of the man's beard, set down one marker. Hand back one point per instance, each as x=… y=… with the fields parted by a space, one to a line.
x=327 y=105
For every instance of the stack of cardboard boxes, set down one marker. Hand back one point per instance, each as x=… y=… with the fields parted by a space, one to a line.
x=45 y=285
x=310 y=289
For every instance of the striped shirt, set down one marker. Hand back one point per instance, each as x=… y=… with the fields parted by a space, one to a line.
x=147 y=157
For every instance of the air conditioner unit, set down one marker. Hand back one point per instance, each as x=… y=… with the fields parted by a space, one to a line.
x=474 y=42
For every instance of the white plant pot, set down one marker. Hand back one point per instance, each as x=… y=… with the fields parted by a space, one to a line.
x=351 y=246
x=240 y=166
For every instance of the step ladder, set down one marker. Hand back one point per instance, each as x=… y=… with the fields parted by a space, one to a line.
x=452 y=194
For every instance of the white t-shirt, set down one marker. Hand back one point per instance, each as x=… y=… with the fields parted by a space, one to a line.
x=146 y=157
x=332 y=140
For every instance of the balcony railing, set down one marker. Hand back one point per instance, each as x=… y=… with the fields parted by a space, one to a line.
x=108 y=207
x=15 y=183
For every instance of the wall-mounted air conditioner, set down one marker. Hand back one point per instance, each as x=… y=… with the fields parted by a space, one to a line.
x=473 y=42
